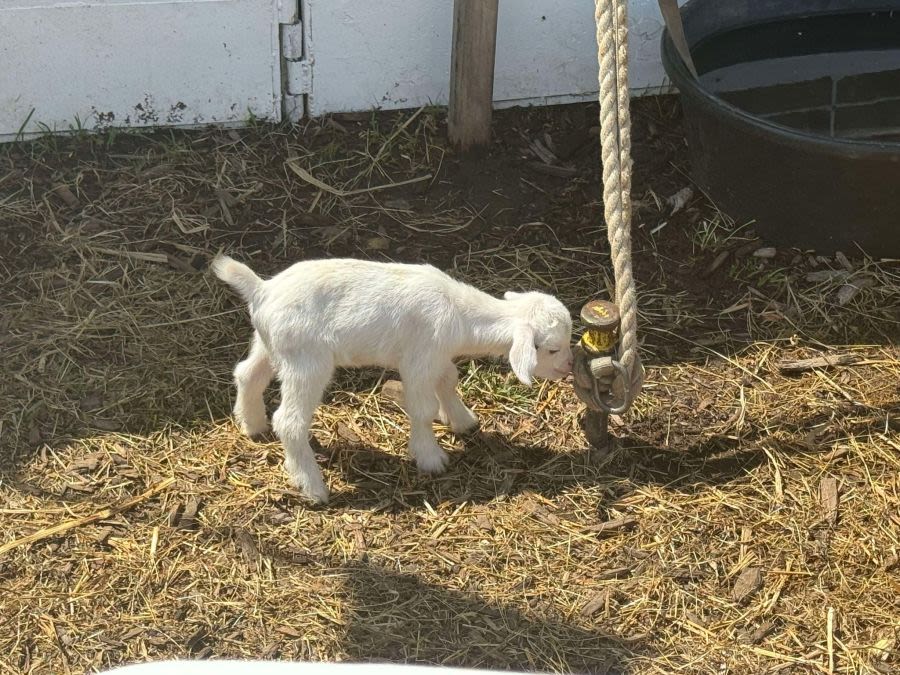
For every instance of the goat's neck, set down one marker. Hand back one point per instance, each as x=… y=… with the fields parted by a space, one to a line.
x=489 y=327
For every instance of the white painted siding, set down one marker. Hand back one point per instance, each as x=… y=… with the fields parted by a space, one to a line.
x=396 y=53
x=140 y=63
x=137 y=63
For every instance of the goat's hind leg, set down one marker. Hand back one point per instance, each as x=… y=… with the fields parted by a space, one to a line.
x=252 y=376
x=302 y=384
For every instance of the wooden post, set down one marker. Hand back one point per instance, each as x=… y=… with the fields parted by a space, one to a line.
x=472 y=73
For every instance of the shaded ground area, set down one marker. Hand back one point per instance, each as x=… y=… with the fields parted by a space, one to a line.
x=746 y=519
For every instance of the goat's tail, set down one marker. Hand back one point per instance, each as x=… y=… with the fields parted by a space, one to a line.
x=237 y=275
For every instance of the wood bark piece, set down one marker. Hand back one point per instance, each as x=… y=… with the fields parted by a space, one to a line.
x=825 y=361
x=748 y=583
x=828 y=497
x=611 y=526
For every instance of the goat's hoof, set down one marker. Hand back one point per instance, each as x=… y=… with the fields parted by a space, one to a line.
x=320 y=498
x=433 y=462
x=256 y=429
x=463 y=423
x=465 y=426
x=313 y=489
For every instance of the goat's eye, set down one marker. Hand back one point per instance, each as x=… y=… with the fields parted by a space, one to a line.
x=554 y=351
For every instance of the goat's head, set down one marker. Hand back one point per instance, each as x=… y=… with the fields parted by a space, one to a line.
x=542 y=334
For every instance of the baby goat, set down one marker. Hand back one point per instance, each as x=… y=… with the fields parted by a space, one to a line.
x=321 y=314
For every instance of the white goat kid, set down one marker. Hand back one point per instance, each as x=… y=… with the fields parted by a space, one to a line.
x=321 y=314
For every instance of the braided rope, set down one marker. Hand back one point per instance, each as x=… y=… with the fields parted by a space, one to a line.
x=615 y=142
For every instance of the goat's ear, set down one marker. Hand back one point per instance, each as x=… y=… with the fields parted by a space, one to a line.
x=511 y=295
x=523 y=354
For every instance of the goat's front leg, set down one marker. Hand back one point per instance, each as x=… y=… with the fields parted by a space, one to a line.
x=453 y=412
x=420 y=383
x=301 y=390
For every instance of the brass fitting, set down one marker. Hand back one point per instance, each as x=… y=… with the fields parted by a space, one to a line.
x=602 y=320
x=595 y=367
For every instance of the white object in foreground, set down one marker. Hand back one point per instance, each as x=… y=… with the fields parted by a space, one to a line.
x=285 y=668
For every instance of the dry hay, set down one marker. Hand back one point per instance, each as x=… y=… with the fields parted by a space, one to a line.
x=746 y=520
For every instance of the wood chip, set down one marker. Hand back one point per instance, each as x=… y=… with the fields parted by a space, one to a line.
x=748 y=583
x=836 y=454
x=271 y=652
x=828 y=497
x=175 y=515
x=845 y=263
x=63 y=191
x=189 y=515
x=540 y=513
x=360 y=539
x=281 y=518
x=289 y=632
x=765 y=252
x=541 y=152
x=848 y=291
x=595 y=604
x=345 y=432
x=247 y=545
x=104 y=534
x=133 y=633
x=183 y=516
x=613 y=526
x=825 y=361
x=614 y=573
x=754 y=637
x=680 y=199
x=89 y=463
x=483 y=523
x=84 y=488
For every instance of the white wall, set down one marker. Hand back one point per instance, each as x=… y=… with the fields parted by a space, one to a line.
x=137 y=63
x=396 y=53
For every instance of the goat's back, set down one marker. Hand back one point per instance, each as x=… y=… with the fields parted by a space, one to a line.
x=366 y=313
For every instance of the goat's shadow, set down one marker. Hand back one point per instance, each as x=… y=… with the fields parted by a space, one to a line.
x=396 y=617
x=490 y=465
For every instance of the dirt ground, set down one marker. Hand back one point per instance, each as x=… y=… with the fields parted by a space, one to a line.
x=746 y=519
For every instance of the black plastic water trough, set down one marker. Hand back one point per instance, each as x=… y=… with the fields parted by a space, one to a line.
x=794 y=122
